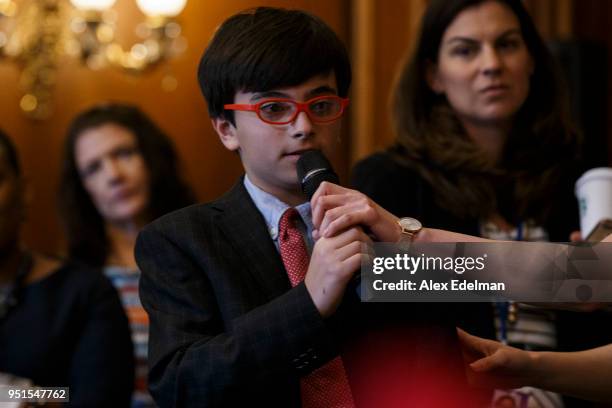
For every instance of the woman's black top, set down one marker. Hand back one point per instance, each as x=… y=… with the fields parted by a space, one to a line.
x=69 y=330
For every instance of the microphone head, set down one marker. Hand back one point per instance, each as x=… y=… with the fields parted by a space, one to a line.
x=313 y=168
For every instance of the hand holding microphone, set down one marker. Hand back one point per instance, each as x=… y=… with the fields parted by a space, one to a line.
x=338 y=216
x=336 y=208
x=335 y=258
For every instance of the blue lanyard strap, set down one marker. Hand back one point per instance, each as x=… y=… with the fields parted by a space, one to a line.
x=502 y=311
x=503 y=308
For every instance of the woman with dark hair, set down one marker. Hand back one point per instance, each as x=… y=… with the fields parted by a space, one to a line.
x=120 y=172
x=484 y=146
x=89 y=238
x=482 y=120
x=61 y=325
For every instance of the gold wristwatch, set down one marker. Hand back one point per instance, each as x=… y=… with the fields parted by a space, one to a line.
x=409 y=228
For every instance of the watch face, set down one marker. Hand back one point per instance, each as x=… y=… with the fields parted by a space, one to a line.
x=410 y=224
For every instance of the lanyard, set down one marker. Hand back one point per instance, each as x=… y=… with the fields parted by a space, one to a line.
x=503 y=308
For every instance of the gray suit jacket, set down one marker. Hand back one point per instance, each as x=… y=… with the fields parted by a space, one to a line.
x=226 y=326
x=227 y=329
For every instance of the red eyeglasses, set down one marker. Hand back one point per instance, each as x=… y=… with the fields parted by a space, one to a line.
x=279 y=111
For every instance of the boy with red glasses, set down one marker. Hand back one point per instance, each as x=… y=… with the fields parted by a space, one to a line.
x=246 y=309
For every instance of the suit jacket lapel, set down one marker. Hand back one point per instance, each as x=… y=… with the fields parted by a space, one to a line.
x=245 y=227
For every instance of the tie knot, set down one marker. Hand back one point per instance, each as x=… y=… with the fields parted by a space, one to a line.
x=288 y=220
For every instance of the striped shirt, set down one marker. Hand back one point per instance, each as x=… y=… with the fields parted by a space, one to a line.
x=125 y=281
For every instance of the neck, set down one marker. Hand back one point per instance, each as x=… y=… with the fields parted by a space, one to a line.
x=293 y=198
x=490 y=137
x=122 y=240
x=10 y=260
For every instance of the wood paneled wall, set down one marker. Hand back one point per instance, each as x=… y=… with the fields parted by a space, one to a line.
x=382 y=36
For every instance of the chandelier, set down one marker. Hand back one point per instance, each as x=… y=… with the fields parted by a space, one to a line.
x=35 y=34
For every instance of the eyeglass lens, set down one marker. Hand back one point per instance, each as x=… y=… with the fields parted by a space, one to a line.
x=322 y=109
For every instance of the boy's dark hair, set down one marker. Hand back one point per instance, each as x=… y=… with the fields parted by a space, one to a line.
x=266 y=48
x=7 y=146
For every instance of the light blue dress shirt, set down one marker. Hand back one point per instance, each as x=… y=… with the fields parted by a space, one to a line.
x=272 y=209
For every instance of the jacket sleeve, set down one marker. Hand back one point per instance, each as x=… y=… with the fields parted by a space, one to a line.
x=197 y=356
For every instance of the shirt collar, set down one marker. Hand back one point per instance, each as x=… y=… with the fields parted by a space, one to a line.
x=272 y=209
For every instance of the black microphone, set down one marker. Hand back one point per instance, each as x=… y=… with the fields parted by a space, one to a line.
x=313 y=168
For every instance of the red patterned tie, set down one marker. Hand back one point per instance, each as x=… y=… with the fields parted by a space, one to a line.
x=327 y=386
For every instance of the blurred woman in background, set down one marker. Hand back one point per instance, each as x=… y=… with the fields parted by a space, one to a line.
x=61 y=325
x=485 y=146
x=120 y=172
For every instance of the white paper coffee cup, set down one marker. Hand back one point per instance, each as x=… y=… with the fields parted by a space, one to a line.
x=594 y=194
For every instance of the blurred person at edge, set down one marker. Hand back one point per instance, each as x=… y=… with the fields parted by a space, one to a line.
x=484 y=146
x=585 y=374
x=120 y=172
x=61 y=324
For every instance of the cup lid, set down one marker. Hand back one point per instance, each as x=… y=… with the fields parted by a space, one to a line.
x=598 y=172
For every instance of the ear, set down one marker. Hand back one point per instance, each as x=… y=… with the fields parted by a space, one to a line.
x=432 y=78
x=227 y=133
